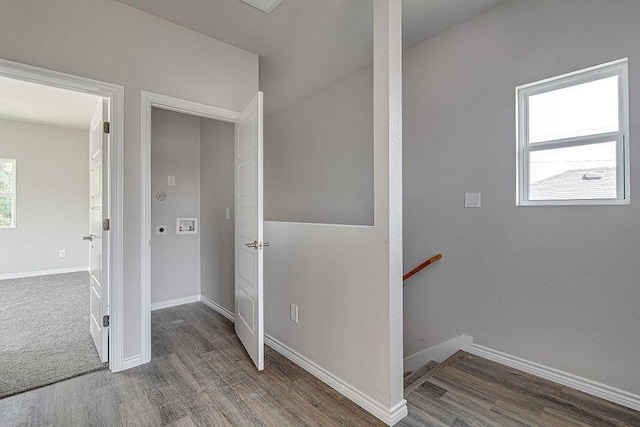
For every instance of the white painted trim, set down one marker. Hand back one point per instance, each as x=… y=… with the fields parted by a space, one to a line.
x=438 y=353
x=612 y=394
x=149 y=100
x=115 y=94
x=178 y=105
x=217 y=307
x=42 y=273
x=397 y=413
x=131 y=362
x=387 y=415
x=319 y=224
x=174 y=302
x=621 y=137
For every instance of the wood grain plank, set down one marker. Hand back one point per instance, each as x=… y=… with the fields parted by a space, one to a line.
x=334 y=405
x=212 y=409
x=470 y=390
x=475 y=410
x=139 y=413
x=608 y=411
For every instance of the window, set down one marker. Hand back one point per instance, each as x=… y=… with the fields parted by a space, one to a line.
x=573 y=138
x=7 y=193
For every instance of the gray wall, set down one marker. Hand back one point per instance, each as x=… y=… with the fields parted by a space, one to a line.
x=199 y=152
x=347 y=280
x=175 y=258
x=216 y=190
x=318 y=156
x=554 y=285
x=52 y=211
x=106 y=40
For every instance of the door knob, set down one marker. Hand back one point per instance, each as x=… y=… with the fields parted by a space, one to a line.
x=89 y=237
x=253 y=245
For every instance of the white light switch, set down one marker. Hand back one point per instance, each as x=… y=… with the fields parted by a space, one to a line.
x=472 y=200
x=294 y=313
x=171 y=182
x=228 y=213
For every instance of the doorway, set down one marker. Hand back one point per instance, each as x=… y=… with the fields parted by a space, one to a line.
x=111 y=190
x=247 y=211
x=192 y=221
x=50 y=145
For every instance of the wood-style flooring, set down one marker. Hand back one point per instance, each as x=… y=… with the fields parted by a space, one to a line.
x=467 y=390
x=200 y=375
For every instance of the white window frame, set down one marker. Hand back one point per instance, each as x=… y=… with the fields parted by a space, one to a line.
x=12 y=194
x=524 y=148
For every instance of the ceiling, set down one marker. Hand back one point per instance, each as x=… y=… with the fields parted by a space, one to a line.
x=30 y=102
x=305 y=45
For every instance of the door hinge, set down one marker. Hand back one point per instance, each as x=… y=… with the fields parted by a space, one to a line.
x=106 y=127
x=106 y=224
x=105 y=321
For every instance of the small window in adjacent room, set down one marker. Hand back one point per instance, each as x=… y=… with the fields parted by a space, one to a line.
x=573 y=136
x=7 y=193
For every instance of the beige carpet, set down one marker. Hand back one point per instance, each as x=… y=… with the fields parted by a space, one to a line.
x=44 y=331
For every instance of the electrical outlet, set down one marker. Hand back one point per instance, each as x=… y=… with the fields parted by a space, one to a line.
x=294 y=313
x=62 y=253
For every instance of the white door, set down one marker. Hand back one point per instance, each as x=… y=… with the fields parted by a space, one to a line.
x=249 y=243
x=98 y=255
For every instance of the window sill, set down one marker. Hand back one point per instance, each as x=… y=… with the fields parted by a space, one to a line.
x=603 y=202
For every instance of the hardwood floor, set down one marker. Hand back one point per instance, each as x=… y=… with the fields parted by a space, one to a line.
x=468 y=390
x=200 y=376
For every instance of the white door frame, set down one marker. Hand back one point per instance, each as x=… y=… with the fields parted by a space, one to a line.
x=115 y=94
x=149 y=100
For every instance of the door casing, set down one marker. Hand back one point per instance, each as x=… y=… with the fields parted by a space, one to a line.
x=115 y=95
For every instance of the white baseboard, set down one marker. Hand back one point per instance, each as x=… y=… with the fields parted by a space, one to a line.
x=174 y=302
x=131 y=362
x=612 y=394
x=387 y=415
x=217 y=307
x=42 y=273
x=438 y=353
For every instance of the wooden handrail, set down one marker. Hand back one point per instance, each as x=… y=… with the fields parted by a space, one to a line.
x=421 y=266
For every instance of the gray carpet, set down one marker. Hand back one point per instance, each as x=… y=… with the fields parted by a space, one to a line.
x=44 y=331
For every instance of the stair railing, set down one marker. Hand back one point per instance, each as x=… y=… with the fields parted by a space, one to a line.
x=422 y=266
